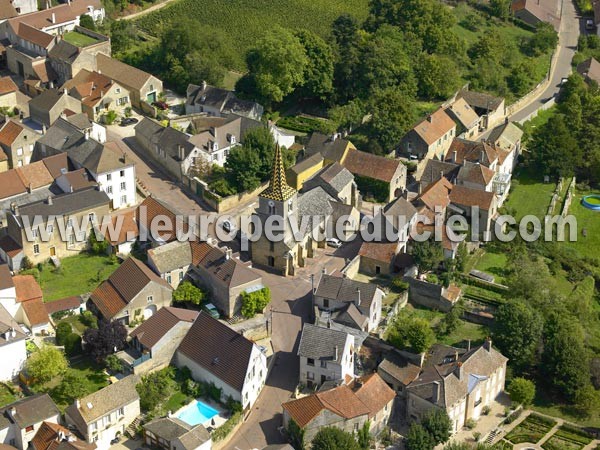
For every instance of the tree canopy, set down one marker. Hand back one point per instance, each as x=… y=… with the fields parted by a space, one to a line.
x=108 y=338
x=332 y=438
x=46 y=363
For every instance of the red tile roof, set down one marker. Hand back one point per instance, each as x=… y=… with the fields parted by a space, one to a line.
x=378 y=251
x=10 y=132
x=435 y=126
x=155 y=328
x=35 y=175
x=64 y=304
x=373 y=392
x=128 y=230
x=36 y=312
x=7 y=85
x=372 y=166
x=464 y=196
x=27 y=288
x=436 y=194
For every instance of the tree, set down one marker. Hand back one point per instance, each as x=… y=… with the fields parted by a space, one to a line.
x=364 y=436
x=521 y=391
x=345 y=30
x=318 y=73
x=587 y=400
x=105 y=340
x=73 y=344
x=332 y=438
x=500 y=8
x=74 y=385
x=87 y=22
x=392 y=114
x=438 y=425
x=277 y=65
x=409 y=331
x=543 y=40
x=428 y=255
x=296 y=434
x=347 y=116
x=187 y=292
x=438 y=75
x=517 y=330
x=46 y=363
x=63 y=329
x=155 y=388
x=565 y=359
x=418 y=438
x=255 y=302
x=113 y=363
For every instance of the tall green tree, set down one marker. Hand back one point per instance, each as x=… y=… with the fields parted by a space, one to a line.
x=188 y=293
x=521 y=391
x=46 y=363
x=332 y=438
x=392 y=115
x=277 y=65
x=318 y=72
x=345 y=31
x=418 y=438
x=438 y=76
x=438 y=425
x=565 y=359
x=428 y=255
x=500 y=8
x=517 y=331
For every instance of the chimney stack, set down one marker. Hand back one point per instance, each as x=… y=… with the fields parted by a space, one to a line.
x=204 y=85
x=49 y=200
x=53 y=18
x=43 y=129
x=77 y=403
x=228 y=253
x=430 y=118
x=436 y=392
x=181 y=153
x=468 y=345
x=336 y=353
x=358 y=297
x=454 y=153
x=488 y=344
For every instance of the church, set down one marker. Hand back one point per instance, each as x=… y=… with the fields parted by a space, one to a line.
x=287 y=253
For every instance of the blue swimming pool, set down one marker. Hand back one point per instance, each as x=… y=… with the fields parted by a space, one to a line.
x=197 y=413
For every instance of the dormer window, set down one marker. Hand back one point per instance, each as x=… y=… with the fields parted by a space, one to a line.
x=215 y=146
x=232 y=139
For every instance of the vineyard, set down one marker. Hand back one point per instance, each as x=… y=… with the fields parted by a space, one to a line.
x=244 y=21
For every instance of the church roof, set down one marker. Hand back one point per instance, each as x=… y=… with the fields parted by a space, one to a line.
x=278 y=188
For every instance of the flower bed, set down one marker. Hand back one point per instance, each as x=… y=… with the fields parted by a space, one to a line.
x=531 y=430
x=568 y=438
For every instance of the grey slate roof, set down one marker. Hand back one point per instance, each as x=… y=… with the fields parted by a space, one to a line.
x=320 y=343
x=64 y=51
x=168 y=428
x=400 y=207
x=346 y=290
x=46 y=100
x=480 y=100
x=171 y=256
x=65 y=204
x=168 y=139
x=434 y=169
x=333 y=178
x=351 y=316
x=331 y=149
x=195 y=438
x=222 y=100
x=81 y=121
x=30 y=410
x=315 y=203
x=506 y=135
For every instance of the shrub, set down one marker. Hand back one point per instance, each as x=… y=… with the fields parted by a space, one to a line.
x=470 y=424
x=63 y=330
x=255 y=302
x=223 y=431
x=398 y=285
x=88 y=319
x=73 y=344
x=513 y=416
x=26 y=263
x=113 y=363
x=486 y=410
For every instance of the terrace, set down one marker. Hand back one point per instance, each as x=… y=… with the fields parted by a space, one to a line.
x=79 y=39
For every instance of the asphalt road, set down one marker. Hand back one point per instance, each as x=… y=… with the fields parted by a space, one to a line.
x=570 y=27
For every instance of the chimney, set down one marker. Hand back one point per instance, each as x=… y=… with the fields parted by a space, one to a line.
x=124 y=157
x=181 y=153
x=77 y=403
x=13 y=332
x=13 y=411
x=65 y=92
x=29 y=188
x=43 y=129
x=61 y=436
x=358 y=297
x=456 y=355
x=49 y=200
x=228 y=253
x=488 y=344
x=53 y=18
x=436 y=392
x=430 y=118
x=481 y=158
x=441 y=174
x=459 y=370
x=203 y=85
x=454 y=153
x=7 y=335
x=468 y=345
x=335 y=353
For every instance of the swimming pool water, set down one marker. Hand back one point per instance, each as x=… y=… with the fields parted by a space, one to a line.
x=196 y=413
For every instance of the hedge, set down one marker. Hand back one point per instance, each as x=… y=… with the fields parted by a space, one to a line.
x=223 y=431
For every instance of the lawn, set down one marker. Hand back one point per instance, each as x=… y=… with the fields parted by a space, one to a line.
x=530 y=195
x=550 y=406
x=242 y=22
x=6 y=395
x=176 y=401
x=95 y=379
x=75 y=323
x=538 y=121
x=77 y=275
x=531 y=430
x=588 y=220
x=79 y=39
x=494 y=264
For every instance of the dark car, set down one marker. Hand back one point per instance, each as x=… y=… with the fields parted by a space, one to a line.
x=128 y=121
x=160 y=105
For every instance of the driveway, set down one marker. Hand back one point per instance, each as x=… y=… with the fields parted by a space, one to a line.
x=569 y=33
x=291 y=308
x=154 y=180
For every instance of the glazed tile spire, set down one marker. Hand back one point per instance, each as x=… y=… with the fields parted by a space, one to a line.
x=278 y=188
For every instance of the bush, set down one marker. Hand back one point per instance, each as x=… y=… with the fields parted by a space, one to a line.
x=113 y=363
x=223 y=431
x=255 y=302
x=398 y=285
x=513 y=416
x=470 y=424
x=73 y=345
x=88 y=319
x=63 y=330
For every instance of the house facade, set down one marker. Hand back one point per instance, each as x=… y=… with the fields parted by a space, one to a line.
x=325 y=355
x=104 y=415
x=431 y=138
x=18 y=141
x=216 y=353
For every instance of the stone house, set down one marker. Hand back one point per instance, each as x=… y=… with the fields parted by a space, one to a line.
x=47 y=107
x=335 y=293
x=325 y=355
x=303 y=170
x=8 y=92
x=378 y=258
x=170 y=433
x=473 y=202
x=97 y=93
x=18 y=141
x=21 y=420
x=533 y=12
x=142 y=86
x=30 y=308
x=223 y=275
x=153 y=343
x=590 y=68
x=132 y=292
x=218 y=354
x=462 y=385
x=490 y=109
x=338 y=182
x=431 y=138
x=68 y=59
x=347 y=407
x=465 y=117
x=333 y=148
x=398 y=370
x=507 y=137
x=41 y=240
x=171 y=261
x=104 y=415
x=215 y=101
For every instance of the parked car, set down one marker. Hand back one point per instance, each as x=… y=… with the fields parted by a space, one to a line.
x=333 y=242
x=228 y=226
x=212 y=310
x=589 y=24
x=160 y=105
x=128 y=121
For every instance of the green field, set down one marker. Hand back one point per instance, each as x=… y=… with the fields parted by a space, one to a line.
x=79 y=39
x=88 y=271
x=243 y=21
x=494 y=264
x=588 y=220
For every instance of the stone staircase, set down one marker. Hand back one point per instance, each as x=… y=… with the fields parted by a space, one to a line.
x=490 y=438
x=131 y=430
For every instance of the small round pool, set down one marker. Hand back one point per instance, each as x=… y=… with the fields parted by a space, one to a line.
x=591 y=202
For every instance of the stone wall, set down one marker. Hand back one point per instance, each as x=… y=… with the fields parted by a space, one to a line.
x=427 y=294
